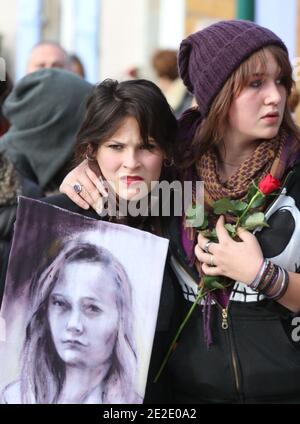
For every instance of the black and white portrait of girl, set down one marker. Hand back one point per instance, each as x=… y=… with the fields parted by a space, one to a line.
x=79 y=345
x=81 y=341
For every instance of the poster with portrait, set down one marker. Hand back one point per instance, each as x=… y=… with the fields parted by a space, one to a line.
x=79 y=309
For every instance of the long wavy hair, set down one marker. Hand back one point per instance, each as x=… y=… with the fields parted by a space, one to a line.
x=43 y=371
x=209 y=133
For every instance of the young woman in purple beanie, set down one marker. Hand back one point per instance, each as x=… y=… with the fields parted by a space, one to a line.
x=242 y=345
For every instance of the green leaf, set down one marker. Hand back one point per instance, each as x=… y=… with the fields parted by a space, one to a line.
x=222 y=206
x=206 y=233
x=250 y=227
x=259 y=201
x=193 y=209
x=212 y=282
x=213 y=235
x=216 y=285
x=238 y=205
x=230 y=228
x=254 y=221
x=196 y=217
x=205 y=222
x=210 y=234
x=252 y=191
x=225 y=205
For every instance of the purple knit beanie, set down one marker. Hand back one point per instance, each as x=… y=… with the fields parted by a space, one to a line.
x=208 y=57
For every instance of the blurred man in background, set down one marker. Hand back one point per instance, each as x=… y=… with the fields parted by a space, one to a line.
x=47 y=54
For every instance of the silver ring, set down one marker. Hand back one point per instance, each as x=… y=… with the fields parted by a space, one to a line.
x=77 y=188
x=212 y=260
x=206 y=246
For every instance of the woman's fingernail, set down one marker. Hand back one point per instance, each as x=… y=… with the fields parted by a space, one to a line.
x=99 y=206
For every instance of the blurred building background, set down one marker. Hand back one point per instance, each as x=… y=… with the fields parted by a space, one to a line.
x=117 y=38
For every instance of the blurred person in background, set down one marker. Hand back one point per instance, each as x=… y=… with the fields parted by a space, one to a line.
x=76 y=65
x=5 y=88
x=45 y=110
x=164 y=63
x=47 y=54
x=293 y=100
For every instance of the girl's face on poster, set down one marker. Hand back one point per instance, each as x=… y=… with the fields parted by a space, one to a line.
x=127 y=164
x=257 y=112
x=83 y=315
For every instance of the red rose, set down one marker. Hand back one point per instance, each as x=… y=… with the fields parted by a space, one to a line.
x=268 y=184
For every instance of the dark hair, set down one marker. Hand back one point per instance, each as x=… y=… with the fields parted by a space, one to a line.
x=5 y=89
x=111 y=102
x=164 y=63
x=74 y=60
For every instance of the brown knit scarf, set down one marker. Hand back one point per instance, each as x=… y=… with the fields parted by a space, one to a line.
x=274 y=156
x=236 y=187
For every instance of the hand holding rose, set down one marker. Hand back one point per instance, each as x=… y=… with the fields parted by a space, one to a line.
x=238 y=260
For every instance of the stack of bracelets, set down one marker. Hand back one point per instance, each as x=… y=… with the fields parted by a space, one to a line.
x=271 y=280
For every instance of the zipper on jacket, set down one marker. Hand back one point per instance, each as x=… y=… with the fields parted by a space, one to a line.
x=234 y=358
x=224 y=311
x=224 y=318
x=225 y=326
x=235 y=369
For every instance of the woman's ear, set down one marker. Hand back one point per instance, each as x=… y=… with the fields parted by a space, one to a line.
x=90 y=153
